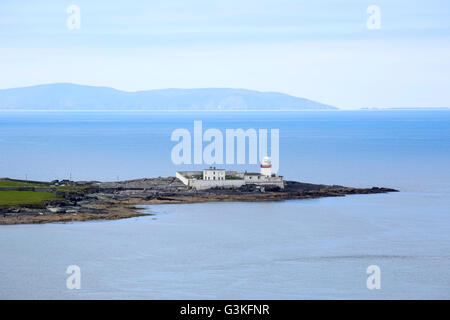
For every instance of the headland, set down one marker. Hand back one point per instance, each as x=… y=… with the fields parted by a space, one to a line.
x=27 y=202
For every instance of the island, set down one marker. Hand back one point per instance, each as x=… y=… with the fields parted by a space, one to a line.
x=27 y=202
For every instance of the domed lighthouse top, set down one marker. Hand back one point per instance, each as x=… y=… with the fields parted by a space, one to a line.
x=266 y=162
x=266 y=167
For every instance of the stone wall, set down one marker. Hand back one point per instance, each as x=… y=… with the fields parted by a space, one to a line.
x=264 y=180
x=182 y=178
x=39 y=189
x=208 y=184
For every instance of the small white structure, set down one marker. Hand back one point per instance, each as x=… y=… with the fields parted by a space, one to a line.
x=266 y=167
x=219 y=178
x=213 y=174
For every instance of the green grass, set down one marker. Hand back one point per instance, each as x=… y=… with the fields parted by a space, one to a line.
x=12 y=183
x=15 y=198
x=4 y=182
x=232 y=178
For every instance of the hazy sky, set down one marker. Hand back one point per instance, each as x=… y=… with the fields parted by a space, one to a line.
x=321 y=50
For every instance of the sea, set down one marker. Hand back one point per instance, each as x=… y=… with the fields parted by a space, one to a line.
x=324 y=248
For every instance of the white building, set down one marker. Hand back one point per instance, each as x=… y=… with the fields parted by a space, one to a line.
x=219 y=178
x=213 y=174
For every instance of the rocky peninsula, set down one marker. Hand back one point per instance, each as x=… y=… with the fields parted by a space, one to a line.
x=67 y=201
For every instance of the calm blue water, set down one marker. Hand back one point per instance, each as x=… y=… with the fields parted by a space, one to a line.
x=295 y=249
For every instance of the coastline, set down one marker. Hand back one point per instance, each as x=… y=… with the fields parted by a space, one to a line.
x=86 y=201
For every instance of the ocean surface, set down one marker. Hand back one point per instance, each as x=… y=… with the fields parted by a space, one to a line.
x=299 y=249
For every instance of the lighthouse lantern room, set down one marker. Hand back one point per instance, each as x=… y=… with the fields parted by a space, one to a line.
x=266 y=167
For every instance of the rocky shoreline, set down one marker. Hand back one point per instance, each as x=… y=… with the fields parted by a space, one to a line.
x=91 y=200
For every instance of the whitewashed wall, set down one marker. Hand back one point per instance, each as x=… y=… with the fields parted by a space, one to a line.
x=208 y=184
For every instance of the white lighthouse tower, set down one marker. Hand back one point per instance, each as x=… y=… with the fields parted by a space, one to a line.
x=266 y=167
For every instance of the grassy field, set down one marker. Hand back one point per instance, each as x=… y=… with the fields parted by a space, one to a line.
x=5 y=182
x=12 y=183
x=14 y=198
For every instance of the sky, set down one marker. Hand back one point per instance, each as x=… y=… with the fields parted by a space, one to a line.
x=319 y=49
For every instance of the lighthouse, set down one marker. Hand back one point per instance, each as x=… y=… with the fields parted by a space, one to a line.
x=266 y=167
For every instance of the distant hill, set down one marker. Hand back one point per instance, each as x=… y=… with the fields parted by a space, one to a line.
x=67 y=96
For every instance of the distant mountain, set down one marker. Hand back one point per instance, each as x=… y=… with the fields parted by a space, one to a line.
x=67 y=96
